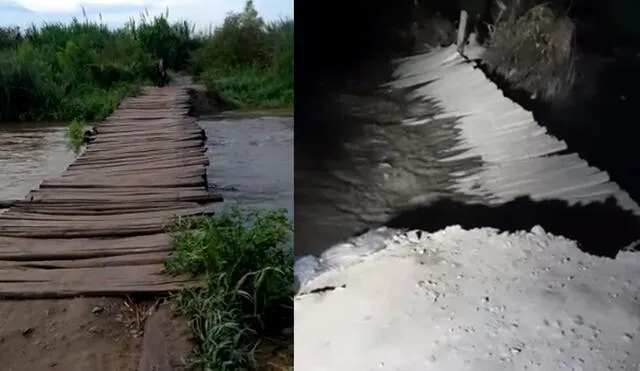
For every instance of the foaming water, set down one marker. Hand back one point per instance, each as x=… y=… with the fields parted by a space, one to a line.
x=344 y=254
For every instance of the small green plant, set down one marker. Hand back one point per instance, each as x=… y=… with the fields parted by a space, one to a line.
x=245 y=260
x=75 y=134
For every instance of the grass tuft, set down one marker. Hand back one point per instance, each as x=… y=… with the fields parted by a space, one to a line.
x=75 y=134
x=534 y=49
x=245 y=260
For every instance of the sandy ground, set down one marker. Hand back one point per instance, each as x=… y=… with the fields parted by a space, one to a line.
x=467 y=300
x=76 y=334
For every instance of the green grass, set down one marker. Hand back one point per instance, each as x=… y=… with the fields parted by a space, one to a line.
x=75 y=134
x=250 y=88
x=248 y=61
x=245 y=260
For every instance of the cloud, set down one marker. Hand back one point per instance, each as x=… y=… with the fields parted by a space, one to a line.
x=111 y=8
x=12 y=6
x=116 y=12
x=68 y=6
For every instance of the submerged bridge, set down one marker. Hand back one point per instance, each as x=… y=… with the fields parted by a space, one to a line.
x=100 y=227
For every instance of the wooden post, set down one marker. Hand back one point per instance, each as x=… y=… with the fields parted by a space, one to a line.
x=462 y=29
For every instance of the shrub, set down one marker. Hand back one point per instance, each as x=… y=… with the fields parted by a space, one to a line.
x=534 y=51
x=81 y=70
x=245 y=259
x=248 y=60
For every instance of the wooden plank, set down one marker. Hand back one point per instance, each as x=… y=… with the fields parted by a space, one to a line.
x=160 y=350
x=110 y=176
x=148 y=167
x=136 y=150
x=151 y=137
x=17 y=215
x=127 y=259
x=8 y=221
x=97 y=157
x=160 y=131
x=95 y=160
x=114 y=230
x=110 y=193
x=95 y=202
x=127 y=126
x=118 y=191
x=168 y=179
x=157 y=162
x=90 y=209
x=23 y=249
x=102 y=281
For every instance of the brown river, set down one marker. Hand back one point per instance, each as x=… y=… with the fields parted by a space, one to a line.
x=30 y=153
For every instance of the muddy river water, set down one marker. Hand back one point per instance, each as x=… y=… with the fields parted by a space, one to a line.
x=251 y=159
x=30 y=153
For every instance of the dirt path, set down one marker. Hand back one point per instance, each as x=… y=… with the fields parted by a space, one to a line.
x=74 y=334
x=80 y=334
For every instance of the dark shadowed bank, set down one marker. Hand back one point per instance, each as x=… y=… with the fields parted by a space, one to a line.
x=574 y=64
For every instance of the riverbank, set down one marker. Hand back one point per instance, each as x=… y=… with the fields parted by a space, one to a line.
x=491 y=301
x=248 y=61
x=259 y=112
x=207 y=102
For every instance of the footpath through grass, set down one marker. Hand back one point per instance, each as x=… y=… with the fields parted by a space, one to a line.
x=245 y=259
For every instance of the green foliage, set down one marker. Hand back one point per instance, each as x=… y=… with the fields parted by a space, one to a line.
x=250 y=87
x=75 y=134
x=248 y=60
x=245 y=260
x=82 y=70
x=160 y=39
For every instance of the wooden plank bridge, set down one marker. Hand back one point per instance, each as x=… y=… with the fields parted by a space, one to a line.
x=518 y=156
x=100 y=227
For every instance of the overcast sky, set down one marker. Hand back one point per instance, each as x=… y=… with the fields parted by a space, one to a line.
x=117 y=12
